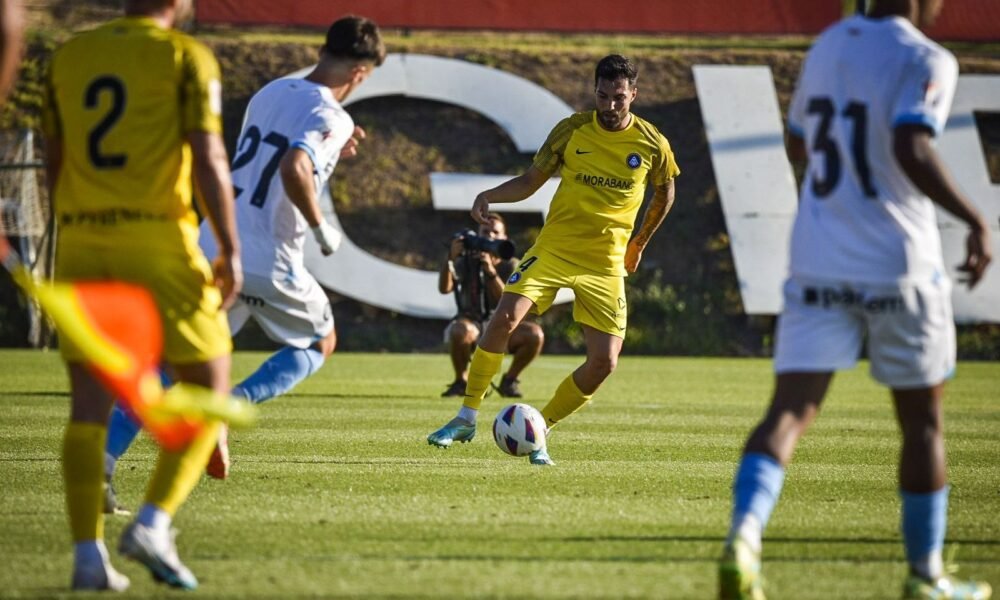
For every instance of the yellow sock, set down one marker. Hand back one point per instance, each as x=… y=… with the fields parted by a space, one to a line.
x=83 y=475
x=567 y=400
x=178 y=472
x=484 y=366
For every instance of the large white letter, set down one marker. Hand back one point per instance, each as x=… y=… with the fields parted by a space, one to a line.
x=526 y=111
x=759 y=197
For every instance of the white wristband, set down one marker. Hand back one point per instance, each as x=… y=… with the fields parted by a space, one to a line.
x=327 y=237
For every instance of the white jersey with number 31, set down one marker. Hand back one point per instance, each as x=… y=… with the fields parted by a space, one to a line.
x=860 y=218
x=284 y=115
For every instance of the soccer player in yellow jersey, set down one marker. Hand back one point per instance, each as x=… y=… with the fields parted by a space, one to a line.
x=132 y=120
x=606 y=159
x=11 y=37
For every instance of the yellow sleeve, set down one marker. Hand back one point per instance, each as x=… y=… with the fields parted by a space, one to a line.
x=665 y=167
x=201 y=89
x=549 y=156
x=51 y=125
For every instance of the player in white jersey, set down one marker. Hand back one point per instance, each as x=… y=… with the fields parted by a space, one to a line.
x=294 y=132
x=866 y=261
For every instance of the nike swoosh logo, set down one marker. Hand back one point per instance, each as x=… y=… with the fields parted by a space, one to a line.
x=578 y=151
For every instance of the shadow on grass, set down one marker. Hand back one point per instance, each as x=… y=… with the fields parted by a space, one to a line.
x=349 y=396
x=767 y=540
x=503 y=558
x=65 y=394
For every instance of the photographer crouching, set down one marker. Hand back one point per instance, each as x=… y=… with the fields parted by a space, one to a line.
x=477 y=267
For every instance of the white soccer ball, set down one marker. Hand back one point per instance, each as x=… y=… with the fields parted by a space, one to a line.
x=519 y=430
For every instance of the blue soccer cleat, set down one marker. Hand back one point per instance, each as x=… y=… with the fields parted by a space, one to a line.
x=541 y=458
x=101 y=577
x=457 y=430
x=157 y=551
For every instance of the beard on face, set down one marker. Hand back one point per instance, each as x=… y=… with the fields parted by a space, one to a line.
x=609 y=118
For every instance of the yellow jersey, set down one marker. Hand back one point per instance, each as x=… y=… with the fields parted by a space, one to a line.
x=122 y=98
x=604 y=178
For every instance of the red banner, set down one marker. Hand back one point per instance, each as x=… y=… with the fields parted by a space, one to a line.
x=966 y=20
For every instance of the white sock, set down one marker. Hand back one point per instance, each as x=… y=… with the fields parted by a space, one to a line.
x=930 y=566
x=748 y=529
x=469 y=414
x=90 y=552
x=154 y=517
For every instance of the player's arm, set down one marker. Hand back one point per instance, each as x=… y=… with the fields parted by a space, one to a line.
x=296 y=170
x=660 y=204
x=11 y=36
x=512 y=190
x=795 y=145
x=53 y=162
x=350 y=149
x=492 y=279
x=796 y=148
x=916 y=156
x=446 y=276
x=52 y=134
x=201 y=122
x=214 y=190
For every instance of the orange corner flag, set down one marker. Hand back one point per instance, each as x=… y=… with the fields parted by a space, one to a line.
x=117 y=327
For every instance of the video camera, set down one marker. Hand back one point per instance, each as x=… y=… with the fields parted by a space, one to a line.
x=472 y=242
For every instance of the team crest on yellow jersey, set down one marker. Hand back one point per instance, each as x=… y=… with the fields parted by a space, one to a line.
x=634 y=161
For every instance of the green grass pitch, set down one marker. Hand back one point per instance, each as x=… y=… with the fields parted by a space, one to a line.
x=337 y=494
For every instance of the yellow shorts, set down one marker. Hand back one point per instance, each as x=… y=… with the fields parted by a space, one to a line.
x=600 y=299
x=194 y=328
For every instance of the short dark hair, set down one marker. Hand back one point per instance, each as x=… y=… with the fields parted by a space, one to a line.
x=614 y=67
x=355 y=38
x=495 y=216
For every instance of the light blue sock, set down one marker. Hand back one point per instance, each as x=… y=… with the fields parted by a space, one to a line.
x=123 y=428
x=925 y=519
x=755 y=493
x=122 y=431
x=280 y=373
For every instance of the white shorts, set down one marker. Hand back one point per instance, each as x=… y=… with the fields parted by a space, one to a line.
x=294 y=311
x=910 y=329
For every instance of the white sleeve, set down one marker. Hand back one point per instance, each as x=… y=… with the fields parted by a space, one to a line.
x=797 y=109
x=926 y=90
x=326 y=132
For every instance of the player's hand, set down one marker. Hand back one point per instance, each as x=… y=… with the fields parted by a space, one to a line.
x=327 y=237
x=481 y=209
x=978 y=255
x=457 y=248
x=228 y=273
x=633 y=254
x=486 y=260
x=350 y=149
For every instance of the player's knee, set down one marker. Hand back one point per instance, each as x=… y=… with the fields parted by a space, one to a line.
x=527 y=335
x=601 y=367
x=503 y=322
x=535 y=335
x=926 y=428
x=463 y=332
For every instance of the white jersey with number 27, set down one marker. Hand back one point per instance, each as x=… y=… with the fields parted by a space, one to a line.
x=285 y=114
x=860 y=219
